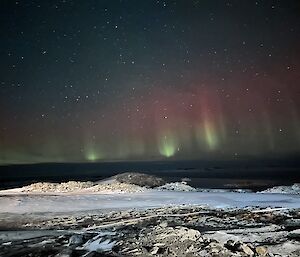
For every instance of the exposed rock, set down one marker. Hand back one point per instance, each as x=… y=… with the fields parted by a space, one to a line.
x=111 y=186
x=292 y=223
x=75 y=240
x=215 y=249
x=64 y=253
x=169 y=241
x=177 y=186
x=261 y=250
x=239 y=247
x=294 y=189
x=44 y=187
x=116 y=187
x=182 y=231
x=139 y=179
x=295 y=234
x=246 y=249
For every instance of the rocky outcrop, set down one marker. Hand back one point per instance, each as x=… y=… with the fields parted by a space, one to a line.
x=46 y=187
x=117 y=187
x=111 y=186
x=181 y=241
x=293 y=189
x=170 y=231
x=140 y=179
x=177 y=186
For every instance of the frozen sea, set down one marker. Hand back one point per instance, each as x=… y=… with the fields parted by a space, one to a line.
x=34 y=203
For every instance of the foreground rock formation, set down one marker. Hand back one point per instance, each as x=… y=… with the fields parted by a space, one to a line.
x=170 y=231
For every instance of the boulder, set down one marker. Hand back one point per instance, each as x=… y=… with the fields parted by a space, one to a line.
x=261 y=251
x=75 y=240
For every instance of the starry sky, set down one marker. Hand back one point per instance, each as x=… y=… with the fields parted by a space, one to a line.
x=148 y=80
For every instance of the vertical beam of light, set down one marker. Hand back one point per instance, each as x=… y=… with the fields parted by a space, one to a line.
x=211 y=137
x=206 y=136
x=92 y=153
x=207 y=133
x=167 y=145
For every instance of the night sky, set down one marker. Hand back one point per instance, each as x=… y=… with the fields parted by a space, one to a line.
x=148 y=80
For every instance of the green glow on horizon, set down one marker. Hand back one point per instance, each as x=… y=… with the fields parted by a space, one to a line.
x=91 y=156
x=168 y=145
x=91 y=153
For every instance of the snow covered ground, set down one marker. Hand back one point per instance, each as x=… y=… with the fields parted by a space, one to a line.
x=30 y=203
x=293 y=189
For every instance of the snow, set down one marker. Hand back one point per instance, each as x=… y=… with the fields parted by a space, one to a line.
x=75 y=187
x=26 y=203
x=286 y=249
x=177 y=186
x=223 y=190
x=250 y=235
x=294 y=189
x=98 y=244
x=27 y=234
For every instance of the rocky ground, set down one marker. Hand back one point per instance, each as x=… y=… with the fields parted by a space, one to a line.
x=169 y=231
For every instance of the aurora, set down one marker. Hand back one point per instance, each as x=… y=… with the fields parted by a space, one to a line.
x=168 y=145
x=177 y=81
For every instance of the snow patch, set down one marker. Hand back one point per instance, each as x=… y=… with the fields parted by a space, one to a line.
x=294 y=189
x=177 y=186
x=99 y=244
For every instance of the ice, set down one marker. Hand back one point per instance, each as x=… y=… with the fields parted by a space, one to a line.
x=24 y=203
x=98 y=244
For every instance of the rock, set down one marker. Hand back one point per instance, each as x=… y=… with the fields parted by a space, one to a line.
x=230 y=245
x=292 y=223
x=164 y=232
x=294 y=189
x=295 y=234
x=155 y=250
x=188 y=234
x=164 y=241
x=116 y=187
x=139 y=179
x=215 y=249
x=44 y=187
x=261 y=250
x=163 y=224
x=238 y=246
x=177 y=186
x=64 y=253
x=246 y=249
x=76 y=240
